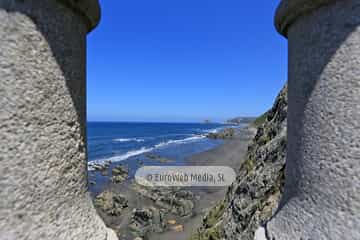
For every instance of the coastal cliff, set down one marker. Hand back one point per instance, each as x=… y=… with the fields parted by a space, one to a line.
x=252 y=199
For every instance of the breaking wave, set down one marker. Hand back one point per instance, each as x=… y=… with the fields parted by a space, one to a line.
x=129 y=140
x=180 y=141
x=142 y=150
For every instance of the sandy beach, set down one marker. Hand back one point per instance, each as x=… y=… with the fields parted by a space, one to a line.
x=181 y=225
x=231 y=154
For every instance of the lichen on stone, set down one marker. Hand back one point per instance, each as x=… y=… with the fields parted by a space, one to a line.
x=252 y=199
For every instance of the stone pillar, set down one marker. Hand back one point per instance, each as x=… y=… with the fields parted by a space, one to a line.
x=43 y=168
x=322 y=189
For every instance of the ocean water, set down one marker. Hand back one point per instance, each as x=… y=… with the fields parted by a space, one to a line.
x=129 y=143
x=122 y=141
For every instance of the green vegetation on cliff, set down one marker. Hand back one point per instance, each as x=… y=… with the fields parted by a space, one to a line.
x=259 y=120
x=252 y=199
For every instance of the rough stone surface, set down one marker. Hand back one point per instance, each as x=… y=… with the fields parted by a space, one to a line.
x=254 y=196
x=89 y=9
x=322 y=198
x=290 y=10
x=111 y=203
x=43 y=173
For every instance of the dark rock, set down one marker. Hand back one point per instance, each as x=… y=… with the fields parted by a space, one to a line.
x=120 y=174
x=118 y=179
x=99 y=167
x=178 y=206
x=226 y=133
x=175 y=201
x=147 y=220
x=103 y=168
x=111 y=203
x=120 y=170
x=252 y=199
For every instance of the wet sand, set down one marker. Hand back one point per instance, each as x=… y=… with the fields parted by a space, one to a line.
x=231 y=154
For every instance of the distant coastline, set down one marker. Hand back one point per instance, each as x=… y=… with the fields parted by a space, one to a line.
x=117 y=143
x=157 y=144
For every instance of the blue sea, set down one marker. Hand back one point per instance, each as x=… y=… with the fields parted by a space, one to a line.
x=129 y=143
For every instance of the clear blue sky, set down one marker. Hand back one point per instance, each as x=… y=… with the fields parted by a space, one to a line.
x=184 y=61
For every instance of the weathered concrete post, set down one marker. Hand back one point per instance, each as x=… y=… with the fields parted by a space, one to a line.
x=322 y=194
x=43 y=170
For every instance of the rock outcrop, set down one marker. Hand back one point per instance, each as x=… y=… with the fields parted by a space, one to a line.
x=147 y=220
x=254 y=196
x=172 y=200
x=119 y=174
x=111 y=203
x=226 y=133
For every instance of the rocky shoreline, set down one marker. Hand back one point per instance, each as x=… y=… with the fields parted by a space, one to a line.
x=138 y=212
x=253 y=198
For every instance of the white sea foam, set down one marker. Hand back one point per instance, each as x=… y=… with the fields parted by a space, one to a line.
x=129 y=154
x=119 y=158
x=180 y=141
x=214 y=130
x=209 y=130
x=142 y=150
x=129 y=140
